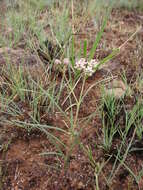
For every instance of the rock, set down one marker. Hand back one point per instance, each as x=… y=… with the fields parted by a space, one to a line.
x=139 y=85
x=117 y=88
x=110 y=66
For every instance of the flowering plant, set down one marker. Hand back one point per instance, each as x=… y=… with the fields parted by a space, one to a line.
x=82 y=65
x=86 y=64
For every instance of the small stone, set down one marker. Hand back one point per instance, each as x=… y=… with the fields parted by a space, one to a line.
x=117 y=92
x=116 y=88
x=109 y=66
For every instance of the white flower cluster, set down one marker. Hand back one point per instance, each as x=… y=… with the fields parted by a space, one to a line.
x=88 y=67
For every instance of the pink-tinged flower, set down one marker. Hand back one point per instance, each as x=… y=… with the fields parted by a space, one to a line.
x=66 y=61
x=57 y=62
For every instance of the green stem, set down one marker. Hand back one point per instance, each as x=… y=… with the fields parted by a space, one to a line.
x=96 y=178
x=79 y=102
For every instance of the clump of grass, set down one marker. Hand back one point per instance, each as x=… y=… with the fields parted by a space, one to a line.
x=110 y=113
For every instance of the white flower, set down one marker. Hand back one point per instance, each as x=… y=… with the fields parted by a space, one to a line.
x=89 y=70
x=88 y=67
x=93 y=63
x=81 y=64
